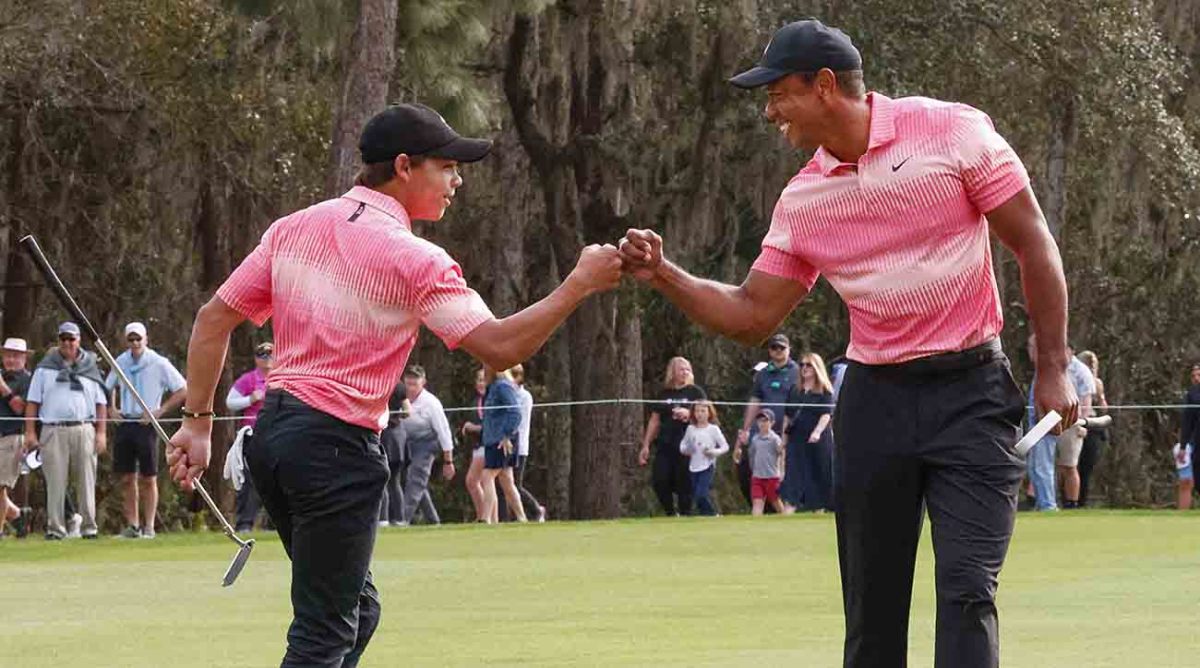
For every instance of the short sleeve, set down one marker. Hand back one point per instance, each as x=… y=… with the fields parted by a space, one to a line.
x=756 y=392
x=244 y=385
x=248 y=288
x=36 y=387
x=448 y=306
x=778 y=257
x=111 y=381
x=98 y=395
x=171 y=377
x=827 y=400
x=991 y=170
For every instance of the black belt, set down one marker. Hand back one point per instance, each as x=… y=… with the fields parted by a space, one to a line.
x=64 y=424
x=988 y=351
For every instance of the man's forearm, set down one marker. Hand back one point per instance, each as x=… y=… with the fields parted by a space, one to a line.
x=174 y=401
x=1045 y=290
x=206 y=355
x=720 y=307
x=503 y=343
x=751 y=410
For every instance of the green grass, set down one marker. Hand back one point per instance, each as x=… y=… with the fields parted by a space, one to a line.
x=1079 y=589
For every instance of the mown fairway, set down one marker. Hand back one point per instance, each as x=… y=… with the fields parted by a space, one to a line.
x=1080 y=589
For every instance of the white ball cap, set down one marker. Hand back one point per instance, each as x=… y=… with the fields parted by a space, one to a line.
x=16 y=345
x=135 y=328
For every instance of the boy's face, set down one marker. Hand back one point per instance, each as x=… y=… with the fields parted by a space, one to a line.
x=764 y=425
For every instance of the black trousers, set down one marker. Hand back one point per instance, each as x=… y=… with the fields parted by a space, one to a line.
x=672 y=480
x=1089 y=457
x=321 y=481
x=939 y=434
x=393 y=443
x=531 y=503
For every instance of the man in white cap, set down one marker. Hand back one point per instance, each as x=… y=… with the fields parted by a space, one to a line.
x=14 y=384
x=67 y=395
x=135 y=450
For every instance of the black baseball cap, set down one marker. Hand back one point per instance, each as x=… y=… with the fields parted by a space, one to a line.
x=802 y=46
x=415 y=129
x=778 y=340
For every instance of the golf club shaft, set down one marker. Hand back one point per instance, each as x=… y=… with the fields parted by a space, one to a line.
x=56 y=284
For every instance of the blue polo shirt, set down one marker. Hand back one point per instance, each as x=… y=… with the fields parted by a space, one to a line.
x=772 y=385
x=152 y=374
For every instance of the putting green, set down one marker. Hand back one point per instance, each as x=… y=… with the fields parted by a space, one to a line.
x=1091 y=588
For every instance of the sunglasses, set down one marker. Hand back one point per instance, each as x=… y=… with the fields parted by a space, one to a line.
x=776 y=346
x=67 y=337
x=808 y=364
x=133 y=339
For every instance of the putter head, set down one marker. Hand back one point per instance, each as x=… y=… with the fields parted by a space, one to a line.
x=238 y=563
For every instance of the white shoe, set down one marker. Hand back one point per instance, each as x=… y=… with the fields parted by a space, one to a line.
x=148 y=534
x=383 y=523
x=73 y=525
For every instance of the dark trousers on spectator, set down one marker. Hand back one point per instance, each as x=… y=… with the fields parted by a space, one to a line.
x=248 y=505
x=392 y=507
x=321 y=481
x=1089 y=457
x=672 y=480
x=934 y=434
x=533 y=507
x=743 y=474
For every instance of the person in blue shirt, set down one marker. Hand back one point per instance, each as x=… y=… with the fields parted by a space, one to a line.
x=773 y=382
x=501 y=424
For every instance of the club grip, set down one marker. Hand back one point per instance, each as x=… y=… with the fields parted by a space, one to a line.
x=39 y=258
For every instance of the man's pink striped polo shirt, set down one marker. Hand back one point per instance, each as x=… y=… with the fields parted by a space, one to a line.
x=901 y=235
x=348 y=286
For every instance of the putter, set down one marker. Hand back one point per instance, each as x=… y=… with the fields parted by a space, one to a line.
x=39 y=258
x=1048 y=422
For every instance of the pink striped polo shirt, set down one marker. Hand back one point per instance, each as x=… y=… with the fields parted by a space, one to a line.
x=901 y=235
x=348 y=286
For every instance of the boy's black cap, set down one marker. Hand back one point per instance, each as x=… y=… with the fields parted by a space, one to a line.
x=802 y=46
x=415 y=129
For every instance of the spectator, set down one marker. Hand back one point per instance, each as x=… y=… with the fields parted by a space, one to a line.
x=14 y=385
x=135 y=448
x=837 y=373
x=246 y=395
x=772 y=385
x=668 y=422
x=1097 y=437
x=66 y=394
x=1063 y=449
x=471 y=431
x=1185 y=449
x=501 y=422
x=525 y=400
x=703 y=442
x=428 y=439
x=393 y=440
x=767 y=455
x=809 y=439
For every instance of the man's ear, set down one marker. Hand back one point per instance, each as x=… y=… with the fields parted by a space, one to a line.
x=403 y=166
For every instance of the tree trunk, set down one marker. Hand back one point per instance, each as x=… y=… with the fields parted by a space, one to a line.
x=20 y=294
x=369 y=61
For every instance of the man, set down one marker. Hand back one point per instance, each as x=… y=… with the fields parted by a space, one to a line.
x=135 y=449
x=1059 y=452
x=347 y=285
x=534 y=508
x=392 y=441
x=428 y=440
x=1185 y=449
x=772 y=384
x=14 y=385
x=66 y=394
x=246 y=396
x=894 y=209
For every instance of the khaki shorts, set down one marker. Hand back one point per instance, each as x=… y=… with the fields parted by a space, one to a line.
x=1070 y=444
x=10 y=459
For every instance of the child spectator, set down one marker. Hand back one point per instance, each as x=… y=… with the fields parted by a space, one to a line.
x=704 y=442
x=766 y=464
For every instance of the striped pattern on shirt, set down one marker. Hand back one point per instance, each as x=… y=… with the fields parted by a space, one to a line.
x=901 y=234
x=348 y=286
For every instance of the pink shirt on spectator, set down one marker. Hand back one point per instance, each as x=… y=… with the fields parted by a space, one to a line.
x=246 y=385
x=349 y=285
x=901 y=235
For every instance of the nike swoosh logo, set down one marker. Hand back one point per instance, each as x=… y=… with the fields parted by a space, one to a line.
x=896 y=168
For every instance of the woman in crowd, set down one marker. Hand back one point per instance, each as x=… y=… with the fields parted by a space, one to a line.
x=471 y=431
x=500 y=436
x=809 y=440
x=668 y=423
x=246 y=395
x=1097 y=437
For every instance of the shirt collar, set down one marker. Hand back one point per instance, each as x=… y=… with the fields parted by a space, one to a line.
x=882 y=132
x=381 y=202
